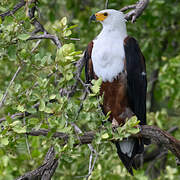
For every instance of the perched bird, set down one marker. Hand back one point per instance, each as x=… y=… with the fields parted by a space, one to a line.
x=117 y=59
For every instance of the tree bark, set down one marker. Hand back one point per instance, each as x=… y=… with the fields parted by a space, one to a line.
x=155 y=134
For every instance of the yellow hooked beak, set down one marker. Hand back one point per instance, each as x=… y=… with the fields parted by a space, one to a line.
x=99 y=16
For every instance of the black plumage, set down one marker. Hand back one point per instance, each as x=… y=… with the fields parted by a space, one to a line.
x=136 y=78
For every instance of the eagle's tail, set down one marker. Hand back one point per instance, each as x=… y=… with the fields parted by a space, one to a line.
x=127 y=150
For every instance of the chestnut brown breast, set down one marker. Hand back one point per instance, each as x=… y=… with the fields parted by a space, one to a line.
x=115 y=99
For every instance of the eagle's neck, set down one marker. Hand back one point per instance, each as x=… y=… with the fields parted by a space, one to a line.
x=119 y=29
x=108 y=52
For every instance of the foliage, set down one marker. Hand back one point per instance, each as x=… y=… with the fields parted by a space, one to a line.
x=47 y=71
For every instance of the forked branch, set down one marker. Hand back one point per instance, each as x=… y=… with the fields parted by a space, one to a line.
x=137 y=10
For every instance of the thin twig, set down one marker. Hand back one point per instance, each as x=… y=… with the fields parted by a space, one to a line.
x=86 y=86
x=26 y=136
x=81 y=105
x=106 y=4
x=91 y=165
x=14 y=116
x=128 y=7
x=12 y=80
x=93 y=151
x=79 y=65
x=47 y=36
x=37 y=44
x=72 y=39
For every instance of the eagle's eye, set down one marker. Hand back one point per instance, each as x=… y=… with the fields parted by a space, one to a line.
x=105 y=14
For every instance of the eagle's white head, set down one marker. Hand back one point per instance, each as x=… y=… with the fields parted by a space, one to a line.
x=110 y=18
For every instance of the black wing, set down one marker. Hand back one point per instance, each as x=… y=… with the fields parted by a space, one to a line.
x=136 y=78
x=89 y=73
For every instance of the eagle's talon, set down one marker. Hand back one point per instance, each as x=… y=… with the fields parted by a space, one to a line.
x=140 y=128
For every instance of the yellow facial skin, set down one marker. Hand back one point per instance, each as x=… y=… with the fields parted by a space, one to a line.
x=101 y=16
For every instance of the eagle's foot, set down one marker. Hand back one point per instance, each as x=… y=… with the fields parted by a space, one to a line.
x=115 y=124
x=146 y=141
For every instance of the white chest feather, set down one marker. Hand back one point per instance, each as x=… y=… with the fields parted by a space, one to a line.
x=108 y=57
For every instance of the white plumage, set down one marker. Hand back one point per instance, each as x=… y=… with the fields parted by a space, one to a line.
x=108 y=50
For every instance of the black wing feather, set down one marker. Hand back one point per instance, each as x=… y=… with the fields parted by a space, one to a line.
x=89 y=73
x=86 y=57
x=136 y=78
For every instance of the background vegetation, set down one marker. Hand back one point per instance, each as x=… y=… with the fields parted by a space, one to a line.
x=45 y=71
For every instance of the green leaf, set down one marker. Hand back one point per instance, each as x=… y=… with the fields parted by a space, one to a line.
x=15 y=123
x=96 y=85
x=61 y=123
x=66 y=130
x=42 y=105
x=9 y=119
x=33 y=121
x=48 y=110
x=69 y=76
x=19 y=129
x=71 y=141
x=134 y=130
x=64 y=21
x=2 y=9
x=1 y=96
x=53 y=96
x=64 y=148
x=67 y=33
x=105 y=136
x=5 y=160
x=21 y=108
x=72 y=27
x=4 y=141
x=11 y=51
x=68 y=48
x=31 y=110
x=24 y=37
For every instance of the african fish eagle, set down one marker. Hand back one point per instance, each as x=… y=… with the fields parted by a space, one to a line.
x=117 y=59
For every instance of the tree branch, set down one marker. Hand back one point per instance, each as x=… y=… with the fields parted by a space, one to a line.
x=138 y=9
x=46 y=170
x=106 y=4
x=16 y=8
x=40 y=28
x=161 y=137
x=157 y=136
x=47 y=36
x=156 y=151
